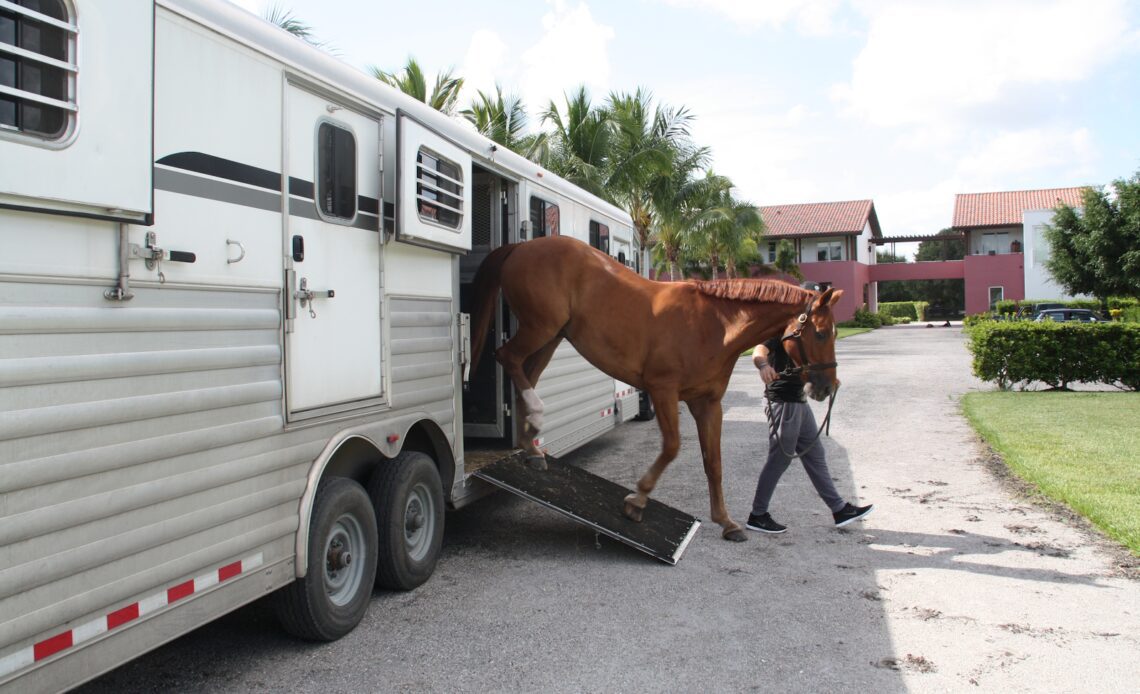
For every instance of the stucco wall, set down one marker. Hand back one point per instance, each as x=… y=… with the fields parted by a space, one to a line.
x=985 y=271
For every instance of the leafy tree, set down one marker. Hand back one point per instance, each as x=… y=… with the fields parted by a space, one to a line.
x=412 y=81
x=941 y=250
x=284 y=18
x=651 y=155
x=1098 y=252
x=503 y=120
x=887 y=257
x=786 y=259
x=578 y=144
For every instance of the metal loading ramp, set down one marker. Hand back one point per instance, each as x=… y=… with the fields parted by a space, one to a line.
x=664 y=532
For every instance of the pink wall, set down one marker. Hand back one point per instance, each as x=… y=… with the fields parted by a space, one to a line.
x=926 y=270
x=985 y=271
x=848 y=275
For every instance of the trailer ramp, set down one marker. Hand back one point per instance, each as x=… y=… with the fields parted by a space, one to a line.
x=663 y=532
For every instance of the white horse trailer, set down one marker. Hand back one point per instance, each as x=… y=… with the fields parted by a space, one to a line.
x=231 y=334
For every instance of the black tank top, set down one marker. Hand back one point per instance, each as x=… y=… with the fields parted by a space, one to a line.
x=784 y=388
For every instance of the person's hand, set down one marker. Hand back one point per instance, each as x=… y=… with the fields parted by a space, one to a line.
x=768 y=374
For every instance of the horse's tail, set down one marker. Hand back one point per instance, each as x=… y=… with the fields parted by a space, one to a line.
x=485 y=293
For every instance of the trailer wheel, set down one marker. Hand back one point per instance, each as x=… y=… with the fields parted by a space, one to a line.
x=645 y=411
x=408 y=497
x=333 y=596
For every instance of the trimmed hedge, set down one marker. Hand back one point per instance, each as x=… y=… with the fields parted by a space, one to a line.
x=899 y=309
x=1010 y=353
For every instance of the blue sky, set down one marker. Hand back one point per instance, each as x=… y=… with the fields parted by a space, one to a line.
x=905 y=103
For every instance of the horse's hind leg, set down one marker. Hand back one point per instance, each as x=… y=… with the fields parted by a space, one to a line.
x=513 y=355
x=533 y=367
x=667 y=421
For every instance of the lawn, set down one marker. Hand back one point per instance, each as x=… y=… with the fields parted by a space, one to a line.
x=848 y=332
x=1082 y=449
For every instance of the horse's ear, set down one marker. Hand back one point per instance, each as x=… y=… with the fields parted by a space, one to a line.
x=835 y=296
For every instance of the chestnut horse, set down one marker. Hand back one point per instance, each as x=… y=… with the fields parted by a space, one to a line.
x=674 y=340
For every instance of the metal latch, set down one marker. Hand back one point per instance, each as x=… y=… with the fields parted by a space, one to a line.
x=306 y=296
x=153 y=255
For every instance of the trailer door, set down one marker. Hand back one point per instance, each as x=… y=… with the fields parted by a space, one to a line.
x=332 y=240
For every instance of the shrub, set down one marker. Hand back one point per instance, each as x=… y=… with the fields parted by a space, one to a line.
x=1130 y=314
x=1010 y=353
x=899 y=309
x=866 y=319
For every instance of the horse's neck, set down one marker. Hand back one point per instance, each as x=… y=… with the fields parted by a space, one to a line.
x=751 y=323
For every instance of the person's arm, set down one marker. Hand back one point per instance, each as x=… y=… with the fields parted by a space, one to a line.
x=760 y=361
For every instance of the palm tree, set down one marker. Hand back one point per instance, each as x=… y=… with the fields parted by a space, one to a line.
x=411 y=80
x=503 y=120
x=284 y=18
x=577 y=147
x=675 y=201
x=721 y=224
x=651 y=158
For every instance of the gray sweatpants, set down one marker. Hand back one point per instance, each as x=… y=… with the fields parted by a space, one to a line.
x=797 y=428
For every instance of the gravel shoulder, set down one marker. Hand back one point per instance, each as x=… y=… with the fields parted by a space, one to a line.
x=956 y=581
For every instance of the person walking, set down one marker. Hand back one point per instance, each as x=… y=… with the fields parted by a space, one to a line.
x=791 y=432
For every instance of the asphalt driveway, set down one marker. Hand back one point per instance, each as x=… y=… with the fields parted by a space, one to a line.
x=955 y=582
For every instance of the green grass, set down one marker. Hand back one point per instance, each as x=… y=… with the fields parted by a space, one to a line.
x=1082 y=449
x=848 y=332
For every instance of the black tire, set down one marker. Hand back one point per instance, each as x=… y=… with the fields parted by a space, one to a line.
x=333 y=596
x=408 y=497
x=645 y=411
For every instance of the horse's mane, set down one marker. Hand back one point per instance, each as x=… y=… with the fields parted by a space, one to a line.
x=759 y=290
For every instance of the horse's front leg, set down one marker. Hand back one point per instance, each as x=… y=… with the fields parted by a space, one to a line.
x=666 y=405
x=709 y=416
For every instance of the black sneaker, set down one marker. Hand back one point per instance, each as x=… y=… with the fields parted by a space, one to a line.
x=764 y=524
x=850 y=514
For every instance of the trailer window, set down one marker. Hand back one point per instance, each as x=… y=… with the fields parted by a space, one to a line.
x=336 y=172
x=439 y=189
x=37 y=69
x=600 y=236
x=543 y=217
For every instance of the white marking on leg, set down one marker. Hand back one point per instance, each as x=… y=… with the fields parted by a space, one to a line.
x=534 y=408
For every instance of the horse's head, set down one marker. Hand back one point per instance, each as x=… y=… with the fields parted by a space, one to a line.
x=809 y=339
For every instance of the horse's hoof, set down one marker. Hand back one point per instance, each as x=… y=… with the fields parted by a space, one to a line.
x=536 y=462
x=632 y=512
x=734 y=535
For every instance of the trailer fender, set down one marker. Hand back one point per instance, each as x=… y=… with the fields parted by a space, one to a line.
x=354 y=452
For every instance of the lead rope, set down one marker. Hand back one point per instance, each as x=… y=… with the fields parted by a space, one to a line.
x=774 y=427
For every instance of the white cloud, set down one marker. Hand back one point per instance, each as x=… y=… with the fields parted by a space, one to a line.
x=811 y=17
x=937 y=61
x=573 y=50
x=1013 y=154
x=485 y=63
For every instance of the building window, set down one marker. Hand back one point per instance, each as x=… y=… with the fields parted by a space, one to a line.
x=995 y=242
x=1041 y=247
x=996 y=295
x=439 y=190
x=600 y=236
x=37 y=69
x=543 y=218
x=771 y=251
x=336 y=172
x=829 y=250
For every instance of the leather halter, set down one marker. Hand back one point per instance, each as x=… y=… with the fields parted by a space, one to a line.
x=797 y=335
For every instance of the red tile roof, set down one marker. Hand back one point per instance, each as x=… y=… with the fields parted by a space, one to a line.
x=820 y=218
x=1002 y=209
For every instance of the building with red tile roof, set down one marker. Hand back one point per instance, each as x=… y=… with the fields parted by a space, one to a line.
x=1006 y=248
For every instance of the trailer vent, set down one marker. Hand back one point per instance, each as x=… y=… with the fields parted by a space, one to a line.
x=37 y=68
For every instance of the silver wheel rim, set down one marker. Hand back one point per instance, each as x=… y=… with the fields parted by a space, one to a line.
x=345 y=551
x=419 y=522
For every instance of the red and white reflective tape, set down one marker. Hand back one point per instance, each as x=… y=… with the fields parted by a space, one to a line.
x=624 y=393
x=85 y=632
x=607 y=412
